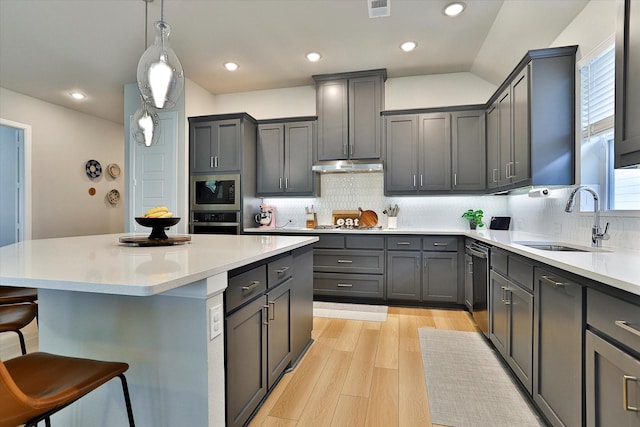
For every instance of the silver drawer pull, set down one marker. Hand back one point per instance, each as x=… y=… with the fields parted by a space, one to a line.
x=553 y=282
x=345 y=285
x=345 y=261
x=439 y=244
x=403 y=243
x=282 y=270
x=251 y=286
x=624 y=325
x=625 y=402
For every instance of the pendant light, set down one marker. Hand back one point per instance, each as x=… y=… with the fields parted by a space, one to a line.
x=160 y=74
x=145 y=123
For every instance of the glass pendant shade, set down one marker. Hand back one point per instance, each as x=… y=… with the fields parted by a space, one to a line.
x=145 y=125
x=160 y=75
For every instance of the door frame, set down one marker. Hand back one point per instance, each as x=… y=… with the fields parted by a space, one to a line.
x=26 y=217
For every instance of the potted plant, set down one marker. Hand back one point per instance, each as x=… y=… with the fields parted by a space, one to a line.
x=474 y=217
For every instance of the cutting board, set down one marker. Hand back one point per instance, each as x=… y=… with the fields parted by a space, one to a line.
x=368 y=218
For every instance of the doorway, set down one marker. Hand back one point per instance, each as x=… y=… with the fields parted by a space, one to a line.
x=15 y=144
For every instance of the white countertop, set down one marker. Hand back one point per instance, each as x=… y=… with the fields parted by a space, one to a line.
x=618 y=268
x=100 y=264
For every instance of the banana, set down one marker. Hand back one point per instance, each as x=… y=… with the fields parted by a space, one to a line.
x=166 y=215
x=151 y=213
x=158 y=215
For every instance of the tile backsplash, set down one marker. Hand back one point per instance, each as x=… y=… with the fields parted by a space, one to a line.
x=544 y=216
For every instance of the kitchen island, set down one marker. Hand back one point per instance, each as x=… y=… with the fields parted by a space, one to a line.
x=152 y=307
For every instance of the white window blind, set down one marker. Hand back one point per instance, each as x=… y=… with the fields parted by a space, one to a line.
x=598 y=94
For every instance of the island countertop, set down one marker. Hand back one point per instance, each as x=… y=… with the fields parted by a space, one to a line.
x=100 y=264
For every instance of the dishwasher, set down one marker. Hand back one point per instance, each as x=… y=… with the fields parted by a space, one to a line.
x=477 y=283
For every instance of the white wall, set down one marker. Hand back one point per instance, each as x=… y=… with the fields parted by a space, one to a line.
x=62 y=142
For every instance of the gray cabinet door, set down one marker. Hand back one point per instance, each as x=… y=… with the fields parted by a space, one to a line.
x=499 y=312
x=493 y=146
x=298 y=158
x=440 y=276
x=333 y=119
x=270 y=158
x=468 y=151
x=365 y=104
x=246 y=362
x=519 y=352
x=401 y=133
x=301 y=301
x=403 y=275
x=434 y=144
x=612 y=384
x=278 y=331
x=520 y=167
x=557 y=360
x=504 y=136
x=627 y=134
x=215 y=146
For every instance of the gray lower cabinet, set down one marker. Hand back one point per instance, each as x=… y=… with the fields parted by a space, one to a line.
x=403 y=275
x=278 y=318
x=627 y=135
x=612 y=360
x=440 y=277
x=284 y=158
x=349 y=266
x=558 y=348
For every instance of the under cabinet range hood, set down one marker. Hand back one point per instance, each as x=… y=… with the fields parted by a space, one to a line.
x=345 y=166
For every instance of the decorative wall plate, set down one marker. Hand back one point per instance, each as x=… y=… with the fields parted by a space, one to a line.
x=93 y=168
x=113 y=196
x=114 y=170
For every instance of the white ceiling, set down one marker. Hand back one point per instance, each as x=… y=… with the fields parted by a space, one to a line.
x=50 y=47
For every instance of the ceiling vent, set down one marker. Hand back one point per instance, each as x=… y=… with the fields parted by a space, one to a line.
x=379 y=8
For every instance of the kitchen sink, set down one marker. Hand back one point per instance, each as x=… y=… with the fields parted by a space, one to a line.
x=558 y=247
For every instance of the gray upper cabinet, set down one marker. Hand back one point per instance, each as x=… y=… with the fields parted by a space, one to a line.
x=468 y=151
x=530 y=123
x=284 y=158
x=401 y=135
x=434 y=148
x=215 y=146
x=348 y=107
x=627 y=126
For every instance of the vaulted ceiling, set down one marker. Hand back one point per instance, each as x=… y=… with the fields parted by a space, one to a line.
x=49 y=48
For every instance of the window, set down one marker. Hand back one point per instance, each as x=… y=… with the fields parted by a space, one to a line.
x=619 y=188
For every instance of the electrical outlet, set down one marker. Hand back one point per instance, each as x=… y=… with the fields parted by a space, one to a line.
x=215 y=321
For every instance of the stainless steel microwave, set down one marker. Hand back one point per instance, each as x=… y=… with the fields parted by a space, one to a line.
x=215 y=192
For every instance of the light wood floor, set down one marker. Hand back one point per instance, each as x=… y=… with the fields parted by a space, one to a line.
x=360 y=373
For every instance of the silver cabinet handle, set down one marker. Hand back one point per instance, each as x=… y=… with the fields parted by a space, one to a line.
x=282 y=270
x=470 y=267
x=455 y=179
x=344 y=149
x=551 y=281
x=414 y=180
x=440 y=244
x=211 y=162
x=345 y=261
x=345 y=285
x=625 y=401
x=215 y=161
x=502 y=293
x=286 y=183
x=403 y=243
x=494 y=175
x=251 y=286
x=351 y=149
x=624 y=325
x=421 y=184
x=272 y=305
x=265 y=317
x=280 y=183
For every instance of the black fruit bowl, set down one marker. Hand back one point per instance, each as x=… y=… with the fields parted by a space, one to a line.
x=158 y=225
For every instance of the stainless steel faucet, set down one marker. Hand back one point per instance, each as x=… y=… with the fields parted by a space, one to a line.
x=596 y=235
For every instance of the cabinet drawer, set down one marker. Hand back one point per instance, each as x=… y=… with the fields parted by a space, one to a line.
x=617 y=318
x=403 y=243
x=354 y=285
x=500 y=261
x=245 y=286
x=440 y=243
x=279 y=270
x=371 y=262
x=330 y=241
x=364 y=242
x=521 y=272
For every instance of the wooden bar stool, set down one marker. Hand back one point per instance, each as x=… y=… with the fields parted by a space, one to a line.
x=35 y=386
x=11 y=295
x=14 y=317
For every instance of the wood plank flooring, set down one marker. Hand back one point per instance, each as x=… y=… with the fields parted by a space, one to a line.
x=360 y=373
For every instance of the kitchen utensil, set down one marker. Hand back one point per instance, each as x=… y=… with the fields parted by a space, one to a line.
x=368 y=218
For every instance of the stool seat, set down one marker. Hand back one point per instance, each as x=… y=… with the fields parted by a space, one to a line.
x=14 y=317
x=36 y=385
x=11 y=295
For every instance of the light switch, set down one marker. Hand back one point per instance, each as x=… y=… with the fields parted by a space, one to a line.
x=215 y=321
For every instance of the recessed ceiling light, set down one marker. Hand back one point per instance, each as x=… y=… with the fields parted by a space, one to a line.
x=231 y=66
x=453 y=9
x=78 y=95
x=313 y=56
x=408 y=46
